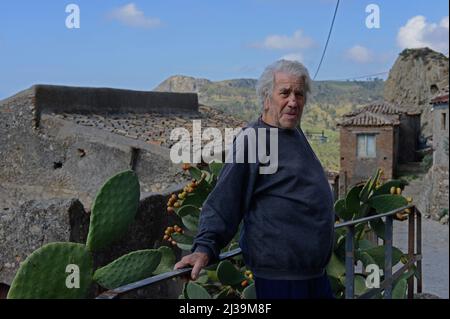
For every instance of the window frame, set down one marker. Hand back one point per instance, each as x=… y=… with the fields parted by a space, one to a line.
x=366 y=154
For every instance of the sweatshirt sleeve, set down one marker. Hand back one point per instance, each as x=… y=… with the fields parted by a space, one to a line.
x=225 y=206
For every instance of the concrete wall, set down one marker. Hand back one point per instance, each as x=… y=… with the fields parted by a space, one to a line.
x=353 y=169
x=58 y=99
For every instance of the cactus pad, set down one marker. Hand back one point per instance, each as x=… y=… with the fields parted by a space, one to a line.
x=195 y=291
x=387 y=203
x=114 y=209
x=129 y=268
x=228 y=274
x=43 y=274
x=167 y=260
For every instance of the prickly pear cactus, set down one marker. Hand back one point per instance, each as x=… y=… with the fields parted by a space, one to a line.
x=114 y=209
x=128 y=268
x=228 y=274
x=54 y=271
x=167 y=262
x=195 y=291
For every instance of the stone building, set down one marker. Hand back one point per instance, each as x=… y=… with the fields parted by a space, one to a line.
x=59 y=144
x=438 y=208
x=440 y=128
x=379 y=135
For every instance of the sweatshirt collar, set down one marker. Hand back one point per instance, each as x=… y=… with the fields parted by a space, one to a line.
x=284 y=130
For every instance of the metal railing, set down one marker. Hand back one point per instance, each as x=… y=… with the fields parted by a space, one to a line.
x=414 y=253
x=414 y=257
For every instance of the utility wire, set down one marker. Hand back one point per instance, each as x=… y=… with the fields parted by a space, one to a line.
x=328 y=39
x=358 y=77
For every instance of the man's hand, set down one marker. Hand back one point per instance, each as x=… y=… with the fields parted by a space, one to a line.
x=197 y=260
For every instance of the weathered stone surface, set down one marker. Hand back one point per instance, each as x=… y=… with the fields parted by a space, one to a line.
x=415 y=77
x=35 y=223
x=61 y=159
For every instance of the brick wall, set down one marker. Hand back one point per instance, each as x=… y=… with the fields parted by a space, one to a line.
x=354 y=170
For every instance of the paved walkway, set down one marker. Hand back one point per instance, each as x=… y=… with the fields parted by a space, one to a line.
x=435 y=249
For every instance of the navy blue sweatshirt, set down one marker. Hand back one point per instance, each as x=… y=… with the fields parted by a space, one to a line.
x=288 y=216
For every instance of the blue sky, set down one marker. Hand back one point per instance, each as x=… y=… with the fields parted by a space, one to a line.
x=138 y=44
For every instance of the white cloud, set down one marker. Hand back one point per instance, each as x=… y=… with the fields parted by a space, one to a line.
x=359 y=54
x=293 y=57
x=131 y=16
x=283 y=42
x=418 y=33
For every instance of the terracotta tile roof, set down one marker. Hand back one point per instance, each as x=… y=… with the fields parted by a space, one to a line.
x=155 y=128
x=441 y=97
x=377 y=108
x=369 y=119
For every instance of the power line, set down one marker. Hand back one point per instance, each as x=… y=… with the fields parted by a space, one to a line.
x=358 y=77
x=328 y=39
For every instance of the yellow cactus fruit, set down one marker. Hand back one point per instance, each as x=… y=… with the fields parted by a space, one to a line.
x=409 y=199
x=392 y=191
x=177 y=204
x=404 y=259
x=399 y=190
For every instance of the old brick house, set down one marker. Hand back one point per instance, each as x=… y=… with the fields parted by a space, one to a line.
x=375 y=136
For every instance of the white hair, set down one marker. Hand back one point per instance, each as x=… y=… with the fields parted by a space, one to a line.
x=264 y=87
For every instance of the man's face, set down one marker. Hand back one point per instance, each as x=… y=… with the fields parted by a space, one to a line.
x=285 y=108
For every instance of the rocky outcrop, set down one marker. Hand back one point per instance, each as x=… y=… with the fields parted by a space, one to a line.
x=182 y=84
x=416 y=76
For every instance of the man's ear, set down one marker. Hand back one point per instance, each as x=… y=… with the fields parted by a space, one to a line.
x=266 y=104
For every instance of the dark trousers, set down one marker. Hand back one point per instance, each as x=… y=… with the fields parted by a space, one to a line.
x=317 y=288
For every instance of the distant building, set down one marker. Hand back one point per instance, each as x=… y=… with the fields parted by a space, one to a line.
x=440 y=128
x=435 y=186
x=375 y=136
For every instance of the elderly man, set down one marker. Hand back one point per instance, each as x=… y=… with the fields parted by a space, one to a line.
x=287 y=234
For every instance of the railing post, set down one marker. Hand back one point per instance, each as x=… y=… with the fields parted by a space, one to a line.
x=349 y=263
x=419 y=248
x=411 y=240
x=388 y=257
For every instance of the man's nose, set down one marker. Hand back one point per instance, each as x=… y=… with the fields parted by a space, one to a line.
x=292 y=101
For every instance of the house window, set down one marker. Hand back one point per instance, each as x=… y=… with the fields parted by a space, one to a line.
x=366 y=145
x=443 y=121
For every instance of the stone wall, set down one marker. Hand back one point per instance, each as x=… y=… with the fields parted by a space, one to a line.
x=36 y=223
x=60 y=99
x=61 y=159
x=440 y=134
